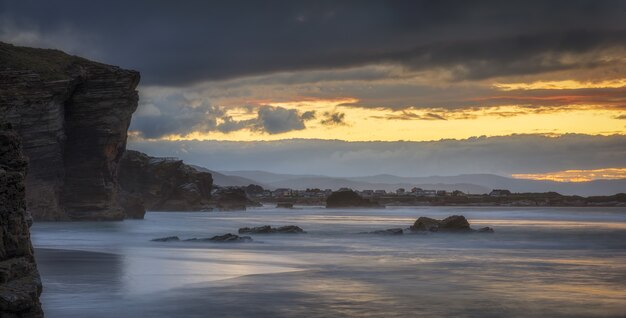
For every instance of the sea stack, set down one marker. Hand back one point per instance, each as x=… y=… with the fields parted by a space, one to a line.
x=20 y=285
x=72 y=115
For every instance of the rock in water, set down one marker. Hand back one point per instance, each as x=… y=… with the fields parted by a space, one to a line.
x=284 y=205
x=349 y=199
x=289 y=229
x=164 y=184
x=454 y=223
x=485 y=230
x=232 y=199
x=256 y=230
x=20 y=285
x=73 y=116
x=425 y=224
x=266 y=229
x=394 y=231
x=167 y=239
x=230 y=238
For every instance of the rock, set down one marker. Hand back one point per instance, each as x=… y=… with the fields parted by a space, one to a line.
x=485 y=230
x=284 y=205
x=167 y=239
x=132 y=205
x=454 y=223
x=256 y=230
x=425 y=224
x=232 y=199
x=230 y=238
x=73 y=116
x=164 y=184
x=289 y=229
x=349 y=199
x=394 y=231
x=266 y=229
x=20 y=284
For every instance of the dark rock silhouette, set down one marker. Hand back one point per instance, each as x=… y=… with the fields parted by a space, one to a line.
x=232 y=199
x=226 y=238
x=163 y=184
x=393 y=231
x=349 y=199
x=454 y=223
x=20 y=284
x=485 y=230
x=267 y=229
x=284 y=205
x=167 y=239
x=73 y=115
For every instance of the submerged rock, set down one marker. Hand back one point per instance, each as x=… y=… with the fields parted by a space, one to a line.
x=454 y=223
x=394 y=231
x=167 y=239
x=230 y=238
x=267 y=229
x=485 y=230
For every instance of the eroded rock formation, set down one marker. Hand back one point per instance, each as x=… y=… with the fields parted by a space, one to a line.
x=453 y=223
x=20 y=285
x=349 y=199
x=73 y=116
x=164 y=184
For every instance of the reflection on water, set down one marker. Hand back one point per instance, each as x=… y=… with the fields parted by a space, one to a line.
x=540 y=262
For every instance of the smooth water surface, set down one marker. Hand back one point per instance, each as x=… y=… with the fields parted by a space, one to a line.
x=540 y=262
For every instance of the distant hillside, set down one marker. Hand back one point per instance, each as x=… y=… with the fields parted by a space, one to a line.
x=471 y=183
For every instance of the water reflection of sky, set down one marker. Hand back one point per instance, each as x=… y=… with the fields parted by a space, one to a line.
x=550 y=262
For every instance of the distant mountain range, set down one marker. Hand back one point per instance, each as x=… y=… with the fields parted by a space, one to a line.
x=469 y=183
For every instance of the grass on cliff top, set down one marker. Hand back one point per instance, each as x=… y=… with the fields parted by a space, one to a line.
x=49 y=64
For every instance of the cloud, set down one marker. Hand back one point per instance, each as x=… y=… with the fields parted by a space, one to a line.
x=190 y=42
x=503 y=155
x=180 y=114
x=333 y=119
x=275 y=120
x=407 y=115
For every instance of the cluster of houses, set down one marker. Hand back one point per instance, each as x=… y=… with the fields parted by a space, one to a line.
x=322 y=194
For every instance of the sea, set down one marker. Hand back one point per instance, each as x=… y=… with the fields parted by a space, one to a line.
x=539 y=262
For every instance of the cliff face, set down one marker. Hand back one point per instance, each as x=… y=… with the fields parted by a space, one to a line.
x=20 y=285
x=163 y=184
x=73 y=116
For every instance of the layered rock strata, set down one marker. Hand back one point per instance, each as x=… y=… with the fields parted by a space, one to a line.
x=164 y=184
x=73 y=116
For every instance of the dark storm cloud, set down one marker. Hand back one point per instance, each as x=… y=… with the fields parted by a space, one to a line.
x=178 y=115
x=191 y=41
x=275 y=120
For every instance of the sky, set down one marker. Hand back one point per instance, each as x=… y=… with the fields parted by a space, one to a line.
x=529 y=89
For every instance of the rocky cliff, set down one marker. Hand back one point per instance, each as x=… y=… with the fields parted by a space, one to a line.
x=20 y=285
x=73 y=116
x=164 y=184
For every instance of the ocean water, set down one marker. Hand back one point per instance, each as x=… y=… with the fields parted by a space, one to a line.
x=540 y=262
